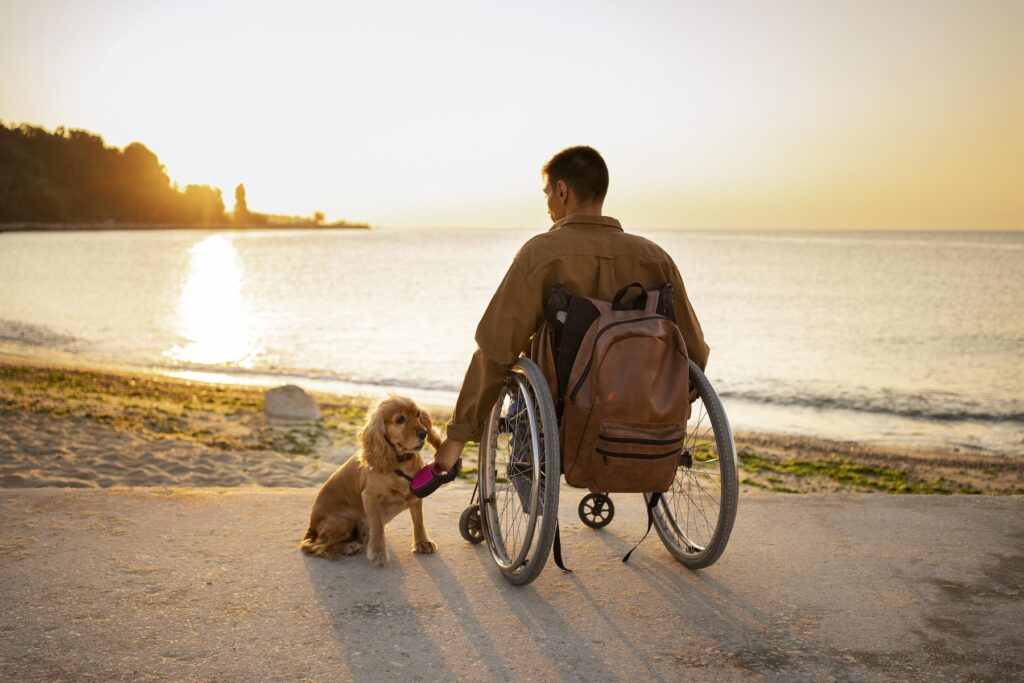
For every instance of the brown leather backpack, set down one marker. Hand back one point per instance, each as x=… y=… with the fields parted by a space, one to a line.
x=620 y=374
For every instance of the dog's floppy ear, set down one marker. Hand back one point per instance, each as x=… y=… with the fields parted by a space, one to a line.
x=376 y=450
x=432 y=437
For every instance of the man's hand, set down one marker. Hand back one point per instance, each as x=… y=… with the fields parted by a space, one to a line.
x=448 y=453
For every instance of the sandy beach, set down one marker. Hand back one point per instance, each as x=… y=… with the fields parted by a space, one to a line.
x=64 y=426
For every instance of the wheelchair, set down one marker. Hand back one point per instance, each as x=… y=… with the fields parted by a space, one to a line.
x=514 y=506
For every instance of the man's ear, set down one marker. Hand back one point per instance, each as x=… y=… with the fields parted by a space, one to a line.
x=562 y=191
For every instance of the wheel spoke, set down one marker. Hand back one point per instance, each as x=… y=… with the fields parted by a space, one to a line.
x=696 y=515
x=698 y=506
x=702 y=495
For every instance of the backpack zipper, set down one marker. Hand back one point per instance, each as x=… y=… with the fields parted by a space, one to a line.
x=634 y=456
x=586 y=370
x=642 y=442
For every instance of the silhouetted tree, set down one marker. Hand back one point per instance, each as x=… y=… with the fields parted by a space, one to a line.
x=72 y=176
x=203 y=204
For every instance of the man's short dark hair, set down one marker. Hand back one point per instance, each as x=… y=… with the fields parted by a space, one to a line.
x=582 y=169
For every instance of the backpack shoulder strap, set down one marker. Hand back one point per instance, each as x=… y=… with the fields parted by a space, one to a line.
x=653 y=302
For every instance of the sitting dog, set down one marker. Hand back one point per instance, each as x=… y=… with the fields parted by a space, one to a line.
x=367 y=491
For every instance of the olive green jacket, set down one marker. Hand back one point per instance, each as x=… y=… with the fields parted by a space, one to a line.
x=592 y=256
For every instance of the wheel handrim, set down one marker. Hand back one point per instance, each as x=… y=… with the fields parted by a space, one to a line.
x=507 y=476
x=694 y=503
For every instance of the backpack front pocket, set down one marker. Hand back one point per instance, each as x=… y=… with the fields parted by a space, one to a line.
x=638 y=457
x=639 y=441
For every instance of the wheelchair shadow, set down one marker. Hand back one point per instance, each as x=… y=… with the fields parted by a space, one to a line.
x=570 y=652
x=453 y=615
x=458 y=602
x=527 y=614
x=387 y=624
x=612 y=625
x=373 y=619
x=744 y=637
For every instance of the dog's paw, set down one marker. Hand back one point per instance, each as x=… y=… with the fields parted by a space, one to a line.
x=427 y=547
x=378 y=557
x=351 y=548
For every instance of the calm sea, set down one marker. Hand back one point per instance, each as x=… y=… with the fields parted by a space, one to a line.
x=913 y=339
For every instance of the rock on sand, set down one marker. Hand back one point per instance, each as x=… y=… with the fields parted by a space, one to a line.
x=290 y=403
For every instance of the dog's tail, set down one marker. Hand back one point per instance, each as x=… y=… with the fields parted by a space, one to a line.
x=308 y=543
x=319 y=545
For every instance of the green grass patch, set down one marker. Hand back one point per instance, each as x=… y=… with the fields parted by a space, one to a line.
x=299 y=441
x=864 y=477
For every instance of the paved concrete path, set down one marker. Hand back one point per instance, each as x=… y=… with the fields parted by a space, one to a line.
x=208 y=584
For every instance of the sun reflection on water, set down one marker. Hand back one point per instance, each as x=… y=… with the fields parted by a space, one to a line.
x=213 y=317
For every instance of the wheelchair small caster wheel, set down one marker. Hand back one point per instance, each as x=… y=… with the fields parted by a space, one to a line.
x=596 y=510
x=469 y=525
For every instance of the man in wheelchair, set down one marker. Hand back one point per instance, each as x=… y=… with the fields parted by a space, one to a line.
x=584 y=250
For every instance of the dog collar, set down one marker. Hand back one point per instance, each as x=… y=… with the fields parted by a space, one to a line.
x=399 y=455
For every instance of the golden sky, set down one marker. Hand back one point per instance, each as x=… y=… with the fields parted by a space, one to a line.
x=812 y=114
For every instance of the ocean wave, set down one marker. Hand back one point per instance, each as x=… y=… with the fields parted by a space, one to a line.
x=385 y=383
x=934 y=406
x=995 y=242
x=12 y=331
x=941 y=408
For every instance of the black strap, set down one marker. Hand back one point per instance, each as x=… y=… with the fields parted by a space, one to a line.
x=403 y=475
x=557 y=302
x=569 y=316
x=558 y=550
x=666 y=302
x=655 y=499
x=639 y=303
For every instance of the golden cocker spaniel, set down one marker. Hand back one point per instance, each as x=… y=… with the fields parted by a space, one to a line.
x=367 y=492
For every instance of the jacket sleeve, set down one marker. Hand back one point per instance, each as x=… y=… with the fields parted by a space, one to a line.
x=693 y=335
x=503 y=333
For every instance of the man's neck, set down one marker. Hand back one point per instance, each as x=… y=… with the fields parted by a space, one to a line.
x=584 y=209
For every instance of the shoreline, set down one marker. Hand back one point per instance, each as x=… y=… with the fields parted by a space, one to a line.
x=780 y=422
x=98 y=227
x=65 y=424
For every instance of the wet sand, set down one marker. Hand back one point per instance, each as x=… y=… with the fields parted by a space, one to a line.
x=69 y=426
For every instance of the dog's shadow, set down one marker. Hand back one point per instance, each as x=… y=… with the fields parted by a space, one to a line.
x=416 y=617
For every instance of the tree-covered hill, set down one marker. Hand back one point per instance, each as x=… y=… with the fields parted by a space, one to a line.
x=71 y=176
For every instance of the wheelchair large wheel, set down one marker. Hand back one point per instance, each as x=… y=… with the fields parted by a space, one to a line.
x=520 y=469
x=694 y=518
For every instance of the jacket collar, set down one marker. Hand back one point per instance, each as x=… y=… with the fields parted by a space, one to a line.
x=583 y=220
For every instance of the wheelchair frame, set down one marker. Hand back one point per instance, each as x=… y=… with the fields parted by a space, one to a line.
x=515 y=488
